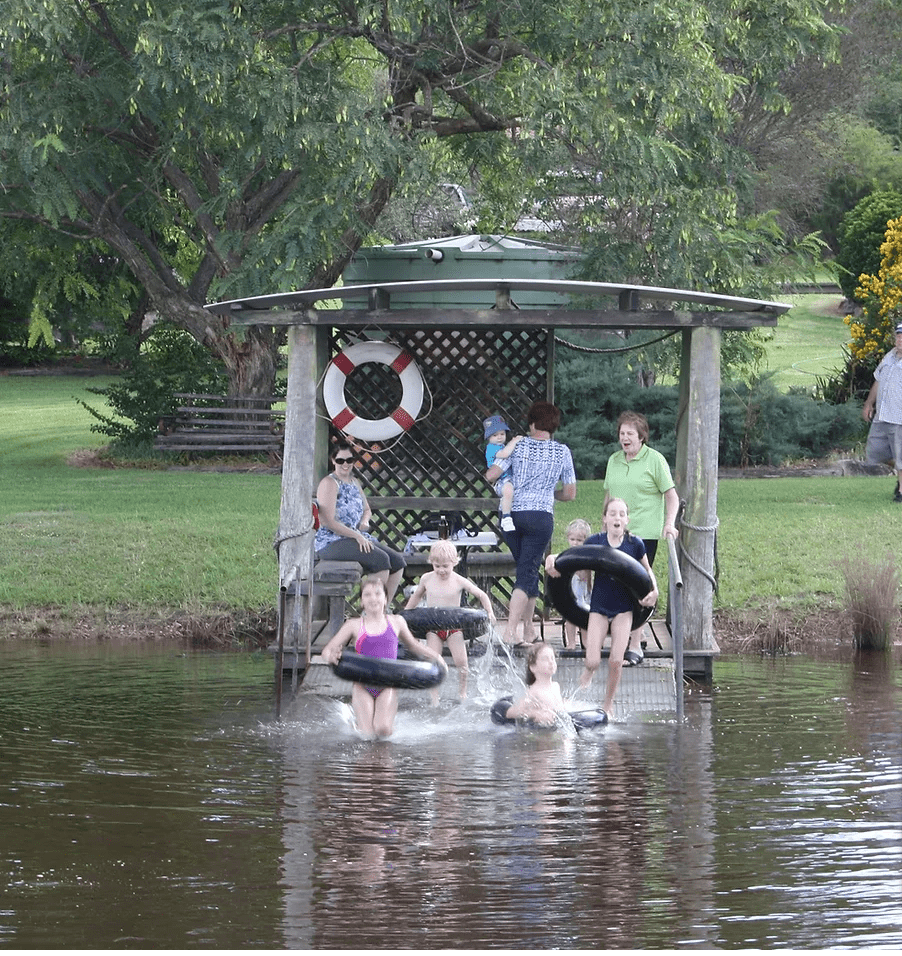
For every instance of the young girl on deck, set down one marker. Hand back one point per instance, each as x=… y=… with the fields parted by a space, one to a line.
x=376 y=634
x=542 y=702
x=611 y=605
x=581 y=583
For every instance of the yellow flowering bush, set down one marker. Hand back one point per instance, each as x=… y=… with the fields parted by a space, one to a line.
x=873 y=332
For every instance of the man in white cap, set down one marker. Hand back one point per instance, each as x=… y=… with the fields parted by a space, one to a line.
x=883 y=409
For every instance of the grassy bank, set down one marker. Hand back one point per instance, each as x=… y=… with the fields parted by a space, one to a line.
x=147 y=542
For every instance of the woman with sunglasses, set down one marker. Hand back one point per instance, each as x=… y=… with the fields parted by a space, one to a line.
x=344 y=521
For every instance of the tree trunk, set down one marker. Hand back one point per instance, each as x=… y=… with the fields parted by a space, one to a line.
x=251 y=363
x=250 y=356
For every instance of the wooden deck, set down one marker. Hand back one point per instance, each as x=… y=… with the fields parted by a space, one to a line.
x=649 y=688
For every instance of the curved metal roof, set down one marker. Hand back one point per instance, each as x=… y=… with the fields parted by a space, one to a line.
x=305 y=298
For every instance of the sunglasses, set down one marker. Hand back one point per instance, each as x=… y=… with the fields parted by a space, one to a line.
x=344 y=461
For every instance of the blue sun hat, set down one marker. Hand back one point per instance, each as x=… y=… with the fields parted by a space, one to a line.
x=899 y=327
x=494 y=424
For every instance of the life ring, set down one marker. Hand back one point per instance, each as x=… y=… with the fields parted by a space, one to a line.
x=582 y=719
x=471 y=621
x=597 y=557
x=387 y=672
x=401 y=419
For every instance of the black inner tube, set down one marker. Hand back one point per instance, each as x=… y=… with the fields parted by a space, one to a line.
x=471 y=621
x=387 y=672
x=582 y=719
x=605 y=560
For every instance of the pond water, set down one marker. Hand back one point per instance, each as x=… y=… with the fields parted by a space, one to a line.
x=148 y=799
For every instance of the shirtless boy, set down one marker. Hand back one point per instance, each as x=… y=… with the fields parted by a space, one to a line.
x=443 y=587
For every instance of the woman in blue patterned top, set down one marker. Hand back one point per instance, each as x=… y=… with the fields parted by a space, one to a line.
x=344 y=524
x=542 y=473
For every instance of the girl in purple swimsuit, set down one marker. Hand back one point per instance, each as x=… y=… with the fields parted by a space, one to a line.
x=375 y=634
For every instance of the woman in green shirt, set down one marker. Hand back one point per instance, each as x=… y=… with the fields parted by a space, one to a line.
x=641 y=477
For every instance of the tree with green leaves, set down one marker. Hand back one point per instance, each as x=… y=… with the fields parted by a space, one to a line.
x=220 y=150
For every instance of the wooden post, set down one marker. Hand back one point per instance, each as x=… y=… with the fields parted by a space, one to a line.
x=295 y=533
x=698 y=432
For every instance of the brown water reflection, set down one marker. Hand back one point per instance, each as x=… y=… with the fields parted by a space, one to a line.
x=148 y=800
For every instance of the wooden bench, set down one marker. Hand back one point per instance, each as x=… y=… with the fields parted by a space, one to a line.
x=223 y=424
x=333 y=583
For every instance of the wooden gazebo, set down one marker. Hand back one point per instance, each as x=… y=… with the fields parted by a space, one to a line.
x=478 y=361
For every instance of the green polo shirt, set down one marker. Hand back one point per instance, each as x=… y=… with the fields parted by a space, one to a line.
x=641 y=483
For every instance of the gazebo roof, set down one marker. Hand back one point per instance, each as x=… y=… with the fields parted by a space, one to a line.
x=637 y=306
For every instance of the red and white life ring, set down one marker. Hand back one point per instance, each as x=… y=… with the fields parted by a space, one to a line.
x=401 y=419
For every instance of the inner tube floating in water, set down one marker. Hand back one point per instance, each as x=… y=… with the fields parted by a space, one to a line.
x=582 y=719
x=470 y=620
x=386 y=672
x=605 y=560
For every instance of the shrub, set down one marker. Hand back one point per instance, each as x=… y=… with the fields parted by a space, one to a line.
x=873 y=332
x=860 y=236
x=760 y=425
x=592 y=389
x=170 y=361
x=871 y=591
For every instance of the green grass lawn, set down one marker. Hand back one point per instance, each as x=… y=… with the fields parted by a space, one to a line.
x=124 y=537
x=807 y=342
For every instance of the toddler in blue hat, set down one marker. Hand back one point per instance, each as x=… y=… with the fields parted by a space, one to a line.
x=497 y=451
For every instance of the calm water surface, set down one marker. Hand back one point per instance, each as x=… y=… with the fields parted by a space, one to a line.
x=148 y=799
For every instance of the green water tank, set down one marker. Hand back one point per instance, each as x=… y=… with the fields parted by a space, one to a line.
x=465 y=257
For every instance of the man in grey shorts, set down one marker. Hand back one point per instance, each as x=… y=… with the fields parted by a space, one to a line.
x=883 y=409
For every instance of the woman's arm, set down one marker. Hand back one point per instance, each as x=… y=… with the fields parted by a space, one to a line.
x=565 y=492
x=367 y=512
x=671 y=506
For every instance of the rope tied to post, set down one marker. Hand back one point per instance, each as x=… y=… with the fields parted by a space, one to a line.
x=703 y=529
x=281 y=536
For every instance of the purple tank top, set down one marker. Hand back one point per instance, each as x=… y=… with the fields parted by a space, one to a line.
x=378 y=645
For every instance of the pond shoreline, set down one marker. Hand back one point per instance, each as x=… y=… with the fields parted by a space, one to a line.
x=753 y=630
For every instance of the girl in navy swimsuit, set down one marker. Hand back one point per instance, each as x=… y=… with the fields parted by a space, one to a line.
x=376 y=634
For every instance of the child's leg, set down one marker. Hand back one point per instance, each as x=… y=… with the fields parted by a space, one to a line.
x=385 y=710
x=594 y=637
x=620 y=635
x=364 y=707
x=507 y=500
x=569 y=634
x=459 y=655
x=435 y=642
